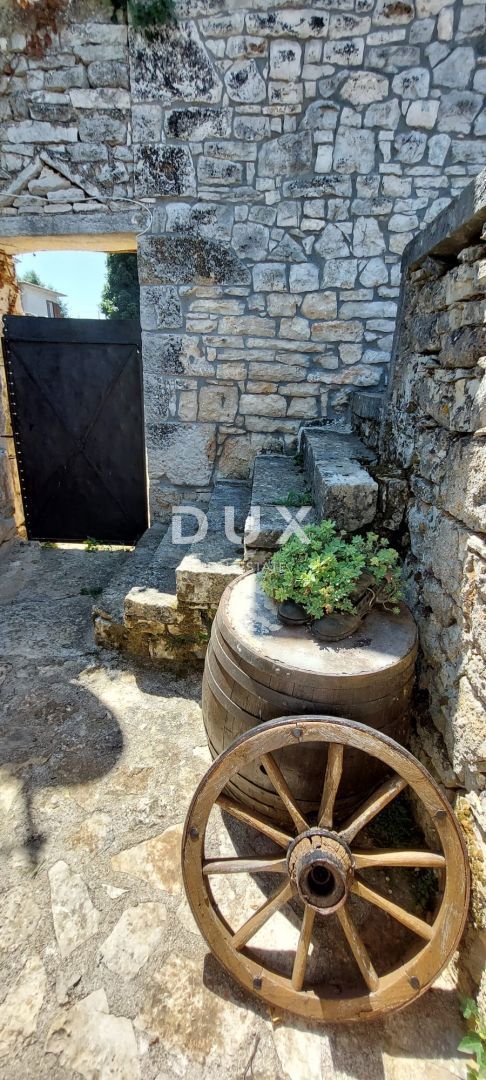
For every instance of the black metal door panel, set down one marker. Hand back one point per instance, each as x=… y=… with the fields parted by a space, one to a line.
x=75 y=389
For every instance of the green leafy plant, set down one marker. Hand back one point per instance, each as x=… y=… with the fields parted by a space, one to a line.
x=91 y=544
x=297 y=498
x=147 y=15
x=474 y=1043
x=327 y=572
x=120 y=298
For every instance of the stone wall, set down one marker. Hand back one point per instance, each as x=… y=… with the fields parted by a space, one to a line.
x=433 y=442
x=288 y=154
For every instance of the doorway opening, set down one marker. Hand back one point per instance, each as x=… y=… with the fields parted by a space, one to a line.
x=73 y=369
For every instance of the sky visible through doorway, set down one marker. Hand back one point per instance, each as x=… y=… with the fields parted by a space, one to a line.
x=80 y=275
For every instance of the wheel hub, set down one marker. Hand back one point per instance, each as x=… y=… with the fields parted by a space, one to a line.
x=321 y=869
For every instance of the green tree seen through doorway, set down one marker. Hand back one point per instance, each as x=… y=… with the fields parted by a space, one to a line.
x=120 y=298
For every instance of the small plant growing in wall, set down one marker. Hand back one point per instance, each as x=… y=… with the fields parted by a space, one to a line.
x=474 y=1043
x=147 y=15
x=298 y=498
x=42 y=19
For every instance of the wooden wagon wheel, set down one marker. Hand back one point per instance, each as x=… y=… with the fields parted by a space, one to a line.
x=325 y=870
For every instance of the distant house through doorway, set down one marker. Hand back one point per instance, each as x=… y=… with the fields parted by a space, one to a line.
x=39 y=300
x=78 y=278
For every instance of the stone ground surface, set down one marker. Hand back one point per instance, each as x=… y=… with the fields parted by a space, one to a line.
x=103 y=973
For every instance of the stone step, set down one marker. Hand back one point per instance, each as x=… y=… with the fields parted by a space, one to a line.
x=342 y=488
x=214 y=561
x=161 y=603
x=109 y=610
x=152 y=604
x=278 y=480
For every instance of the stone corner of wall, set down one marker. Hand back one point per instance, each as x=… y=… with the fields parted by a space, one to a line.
x=454 y=228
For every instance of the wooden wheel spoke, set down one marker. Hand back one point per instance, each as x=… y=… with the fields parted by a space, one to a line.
x=390 y=857
x=380 y=798
x=243 y=865
x=250 y=927
x=282 y=788
x=358 y=949
x=302 y=951
x=418 y=926
x=332 y=779
x=252 y=818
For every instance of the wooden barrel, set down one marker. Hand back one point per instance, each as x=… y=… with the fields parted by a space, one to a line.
x=257 y=669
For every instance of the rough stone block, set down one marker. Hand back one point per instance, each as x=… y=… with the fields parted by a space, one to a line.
x=179 y=452
x=216 y=171
x=286 y=155
x=103 y=129
x=462 y=491
x=270 y=277
x=319 y=305
x=342 y=488
x=183 y=259
x=262 y=405
x=346 y=53
x=100 y=99
x=455 y=399
x=244 y=82
x=66 y=78
x=439 y=544
x=174 y=354
x=198 y=123
x=174 y=65
x=146 y=123
x=354 y=150
x=218 y=402
x=38 y=131
x=108 y=73
x=203 y=576
x=462 y=348
x=164 y=170
x=160 y=307
x=207 y=219
x=149 y=607
x=300 y=23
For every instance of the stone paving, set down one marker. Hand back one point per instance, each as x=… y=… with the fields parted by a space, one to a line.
x=104 y=974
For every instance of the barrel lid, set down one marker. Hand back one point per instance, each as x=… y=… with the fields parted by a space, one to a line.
x=249 y=622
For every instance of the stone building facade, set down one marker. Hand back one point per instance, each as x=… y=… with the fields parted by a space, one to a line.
x=285 y=156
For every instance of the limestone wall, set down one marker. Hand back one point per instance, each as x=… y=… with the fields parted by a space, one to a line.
x=289 y=154
x=433 y=442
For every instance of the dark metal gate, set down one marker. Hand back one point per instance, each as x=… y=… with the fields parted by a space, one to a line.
x=75 y=390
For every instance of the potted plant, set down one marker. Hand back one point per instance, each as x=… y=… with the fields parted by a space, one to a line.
x=331 y=580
